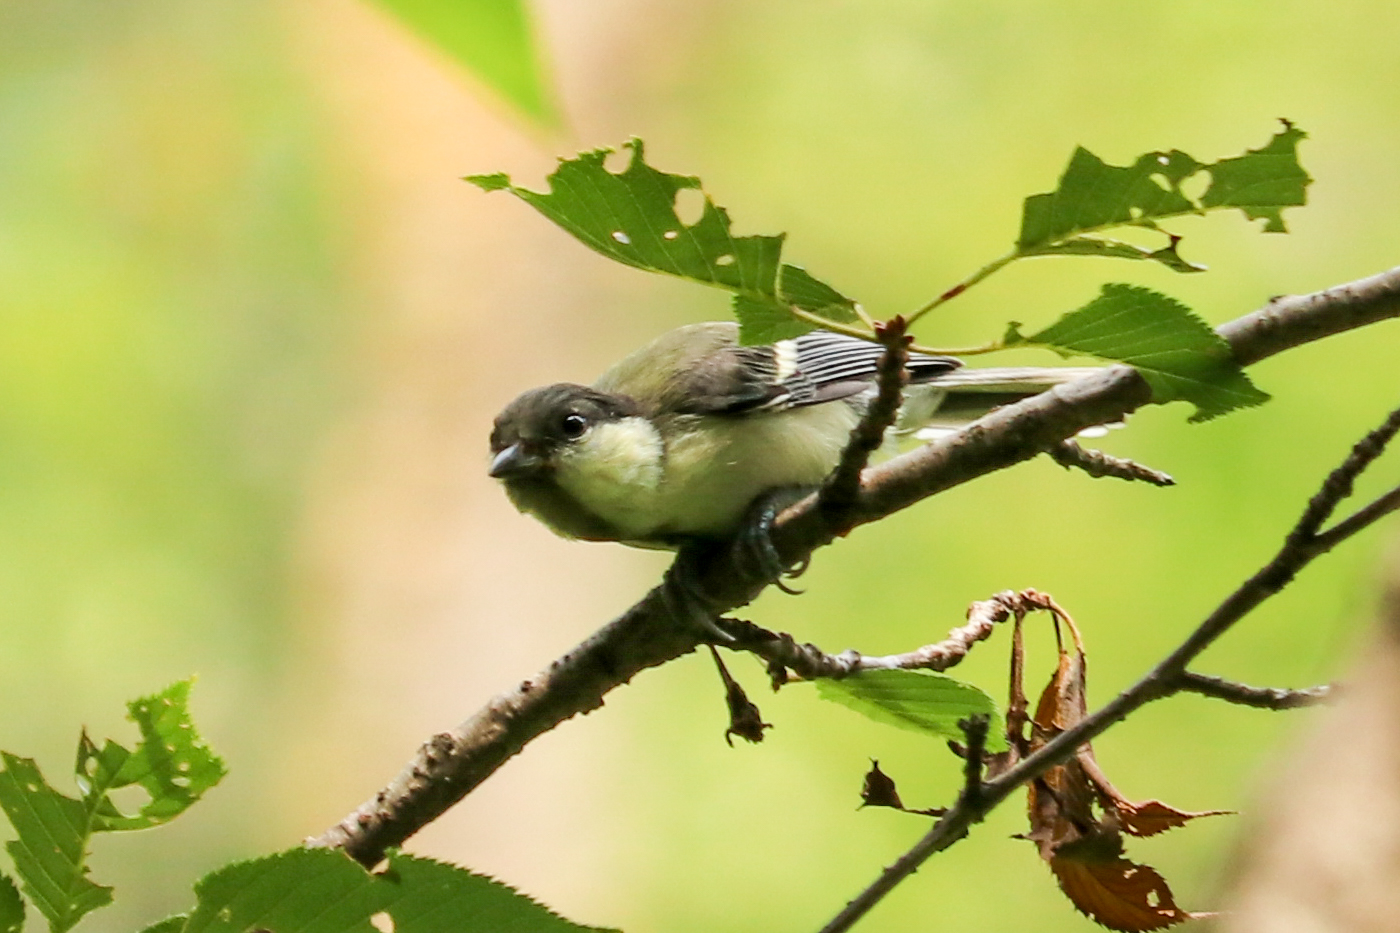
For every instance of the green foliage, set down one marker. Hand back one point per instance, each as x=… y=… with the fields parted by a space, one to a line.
x=324 y=891
x=919 y=701
x=1174 y=350
x=171 y=764
x=631 y=217
x=492 y=38
x=1093 y=195
x=11 y=906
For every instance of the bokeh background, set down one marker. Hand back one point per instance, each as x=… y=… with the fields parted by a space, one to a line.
x=253 y=329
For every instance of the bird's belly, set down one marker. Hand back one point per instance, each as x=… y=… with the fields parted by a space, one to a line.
x=710 y=485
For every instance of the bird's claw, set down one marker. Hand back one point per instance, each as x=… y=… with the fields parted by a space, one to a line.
x=755 y=540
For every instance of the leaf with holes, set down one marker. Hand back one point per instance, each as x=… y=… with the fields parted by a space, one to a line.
x=323 y=890
x=1174 y=350
x=171 y=764
x=1094 y=196
x=630 y=216
x=919 y=701
x=492 y=38
x=50 y=853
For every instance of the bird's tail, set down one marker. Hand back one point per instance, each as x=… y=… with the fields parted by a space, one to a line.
x=956 y=398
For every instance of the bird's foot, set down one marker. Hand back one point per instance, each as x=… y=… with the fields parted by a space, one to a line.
x=685 y=598
x=755 y=538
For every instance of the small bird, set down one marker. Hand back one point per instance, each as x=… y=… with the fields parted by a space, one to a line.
x=678 y=441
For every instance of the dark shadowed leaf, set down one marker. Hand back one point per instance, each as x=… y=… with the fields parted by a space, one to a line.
x=11 y=907
x=1176 y=352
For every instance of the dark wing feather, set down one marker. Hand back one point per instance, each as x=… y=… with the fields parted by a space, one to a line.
x=817 y=367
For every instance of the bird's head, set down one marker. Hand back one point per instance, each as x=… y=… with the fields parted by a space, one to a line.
x=541 y=428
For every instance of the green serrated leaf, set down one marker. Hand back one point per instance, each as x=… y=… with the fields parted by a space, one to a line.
x=1093 y=195
x=172 y=764
x=1178 y=354
x=11 y=906
x=631 y=217
x=919 y=701
x=53 y=830
x=50 y=852
x=492 y=38
x=1262 y=181
x=324 y=891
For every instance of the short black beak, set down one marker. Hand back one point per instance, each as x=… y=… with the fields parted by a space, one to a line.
x=515 y=460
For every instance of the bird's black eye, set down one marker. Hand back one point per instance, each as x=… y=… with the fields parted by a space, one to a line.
x=573 y=425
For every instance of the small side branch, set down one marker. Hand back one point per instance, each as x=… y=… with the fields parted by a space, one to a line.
x=785 y=656
x=1098 y=464
x=838 y=495
x=1258 y=697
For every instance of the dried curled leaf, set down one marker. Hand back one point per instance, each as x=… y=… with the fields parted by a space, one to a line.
x=878 y=789
x=1120 y=894
x=1078 y=817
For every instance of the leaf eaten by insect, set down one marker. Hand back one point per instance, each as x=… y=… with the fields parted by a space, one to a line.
x=171 y=764
x=1093 y=196
x=631 y=216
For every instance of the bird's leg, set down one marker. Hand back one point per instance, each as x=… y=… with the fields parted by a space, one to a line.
x=684 y=596
x=755 y=538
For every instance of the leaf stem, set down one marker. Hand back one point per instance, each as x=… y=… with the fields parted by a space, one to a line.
x=964 y=285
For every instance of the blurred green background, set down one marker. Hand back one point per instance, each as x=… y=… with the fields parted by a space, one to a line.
x=253 y=330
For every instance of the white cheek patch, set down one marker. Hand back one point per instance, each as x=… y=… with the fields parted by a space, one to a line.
x=627 y=452
x=615 y=472
x=785 y=358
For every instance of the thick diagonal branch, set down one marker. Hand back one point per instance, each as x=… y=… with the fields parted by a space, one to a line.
x=448 y=767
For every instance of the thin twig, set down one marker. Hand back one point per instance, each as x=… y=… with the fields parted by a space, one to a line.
x=974 y=729
x=784 y=654
x=454 y=763
x=839 y=493
x=1258 y=697
x=1097 y=464
x=1302 y=545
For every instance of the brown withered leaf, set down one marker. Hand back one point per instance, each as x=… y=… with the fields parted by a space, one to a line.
x=745 y=720
x=1077 y=817
x=1147 y=818
x=1119 y=894
x=1152 y=817
x=878 y=789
